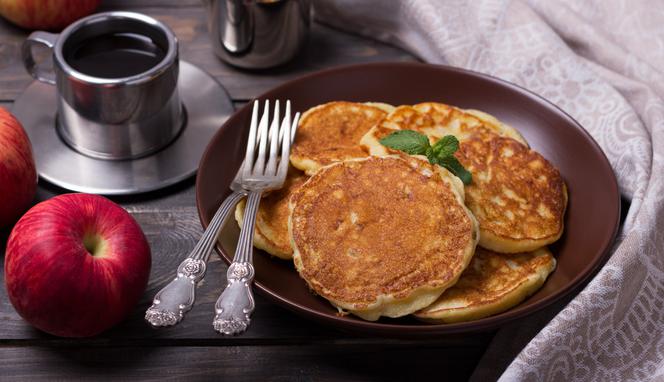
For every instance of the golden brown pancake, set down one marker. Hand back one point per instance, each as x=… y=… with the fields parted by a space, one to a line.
x=491 y=284
x=518 y=197
x=330 y=133
x=381 y=236
x=271 y=232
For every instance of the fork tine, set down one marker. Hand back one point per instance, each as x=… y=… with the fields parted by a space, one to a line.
x=285 y=123
x=285 y=143
x=251 y=143
x=240 y=170
x=294 y=126
x=271 y=168
x=282 y=131
x=262 y=131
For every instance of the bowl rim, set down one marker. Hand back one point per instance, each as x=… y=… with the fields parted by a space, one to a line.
x=401 y=330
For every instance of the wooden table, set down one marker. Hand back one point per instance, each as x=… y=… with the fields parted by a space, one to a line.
x=279 y=344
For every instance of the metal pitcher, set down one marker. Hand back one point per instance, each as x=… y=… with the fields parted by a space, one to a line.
x=258 y=34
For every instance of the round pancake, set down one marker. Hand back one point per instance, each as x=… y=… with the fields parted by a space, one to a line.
x=518 y=197
x=330 y=133
x=381 y=236
x=491 y=284
x=271 y=231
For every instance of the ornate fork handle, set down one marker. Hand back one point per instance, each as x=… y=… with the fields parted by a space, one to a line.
x=236 y=303
x=175 y=299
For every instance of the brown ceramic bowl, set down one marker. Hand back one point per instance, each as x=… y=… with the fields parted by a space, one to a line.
x=594 y=205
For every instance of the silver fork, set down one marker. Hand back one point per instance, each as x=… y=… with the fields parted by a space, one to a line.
x=175 y=299
x=236 y=303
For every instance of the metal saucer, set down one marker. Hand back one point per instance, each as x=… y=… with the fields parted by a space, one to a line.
x=207 y=107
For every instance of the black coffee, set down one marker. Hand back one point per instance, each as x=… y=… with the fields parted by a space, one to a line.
x=115 y=55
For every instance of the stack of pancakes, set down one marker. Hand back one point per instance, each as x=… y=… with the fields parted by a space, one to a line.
x=380 y=233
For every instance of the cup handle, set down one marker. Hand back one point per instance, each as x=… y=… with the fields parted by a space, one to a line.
x=44 y=38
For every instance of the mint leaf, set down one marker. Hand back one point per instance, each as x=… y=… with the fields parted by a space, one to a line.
x=446 y=146
x=451 y=163
x=441 y=153
x=408 y=141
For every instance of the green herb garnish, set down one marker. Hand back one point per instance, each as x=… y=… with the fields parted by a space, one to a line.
x=441 y=153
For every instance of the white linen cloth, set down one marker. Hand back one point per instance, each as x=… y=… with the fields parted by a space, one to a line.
x=602 y=62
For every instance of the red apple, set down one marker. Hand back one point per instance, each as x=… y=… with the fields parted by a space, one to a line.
x=46 y=14
x=18 y=177
x=76 y=264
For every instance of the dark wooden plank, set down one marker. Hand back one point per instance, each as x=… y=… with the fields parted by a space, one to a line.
x=326 y=48
x=244 y=363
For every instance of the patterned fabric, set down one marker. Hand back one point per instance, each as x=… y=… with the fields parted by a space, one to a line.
x=602 y=62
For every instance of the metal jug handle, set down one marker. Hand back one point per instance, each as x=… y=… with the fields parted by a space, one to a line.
x=38 y=38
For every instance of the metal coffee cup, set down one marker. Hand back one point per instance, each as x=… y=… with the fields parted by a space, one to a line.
x=113 y=117
x=258 y=34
